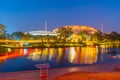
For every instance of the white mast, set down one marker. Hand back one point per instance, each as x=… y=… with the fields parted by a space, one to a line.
x=45 y=26
x=101 y=26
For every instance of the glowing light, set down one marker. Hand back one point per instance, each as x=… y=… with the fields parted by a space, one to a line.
x=59 y=57
x=51 y=54
x=89 y=55
x=9 y=49
x=25 y=51
x=25 y=44
x=34 y=56
x=72 y=54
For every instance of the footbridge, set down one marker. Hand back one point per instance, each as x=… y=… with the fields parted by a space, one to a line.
x=19 y=43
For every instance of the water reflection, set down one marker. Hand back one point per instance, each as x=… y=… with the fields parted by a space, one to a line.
x=34 y=55
x=71 y=55
x=8 y=53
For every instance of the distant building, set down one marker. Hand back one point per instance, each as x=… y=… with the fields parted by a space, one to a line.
x=42 y=33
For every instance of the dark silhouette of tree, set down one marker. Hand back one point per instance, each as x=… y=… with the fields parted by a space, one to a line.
x=98 y=36
x=2 y=31
x=113 y=36
x=18 y=36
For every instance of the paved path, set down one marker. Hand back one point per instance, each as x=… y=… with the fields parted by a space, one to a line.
x=34 y=74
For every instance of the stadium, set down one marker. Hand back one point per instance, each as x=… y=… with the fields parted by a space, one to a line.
x=42 y=33
x=76 y=29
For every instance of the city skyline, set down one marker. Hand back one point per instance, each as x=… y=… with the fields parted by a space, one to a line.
x=23 y=15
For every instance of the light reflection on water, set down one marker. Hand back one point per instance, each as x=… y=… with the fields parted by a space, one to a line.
x=57 y=57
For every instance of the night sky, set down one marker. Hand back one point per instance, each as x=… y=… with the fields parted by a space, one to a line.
x=28 y=15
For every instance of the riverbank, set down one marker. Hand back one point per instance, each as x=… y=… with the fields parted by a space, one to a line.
x=90 y=76
x=45 y=45
x=58 y=45
x=56 y=72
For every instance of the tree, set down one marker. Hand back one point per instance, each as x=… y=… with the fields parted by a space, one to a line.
x=65 y=32
x=2 y=31
x=98 y=36
x=84 y=34
x=113 y=36
x=18 y=36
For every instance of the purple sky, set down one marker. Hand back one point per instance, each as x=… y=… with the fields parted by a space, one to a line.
x=28 y=15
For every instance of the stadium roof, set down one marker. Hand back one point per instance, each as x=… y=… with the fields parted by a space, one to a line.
x=78 y=28
x=43 y=33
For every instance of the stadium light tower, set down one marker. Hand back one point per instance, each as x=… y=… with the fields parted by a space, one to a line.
x=101 y=26
x=45 y=25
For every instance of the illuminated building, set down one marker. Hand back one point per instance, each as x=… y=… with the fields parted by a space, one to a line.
x=79 y=32
x=76 y=29
x=42 y=33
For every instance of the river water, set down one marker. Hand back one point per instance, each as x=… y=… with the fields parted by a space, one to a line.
x=25 y=59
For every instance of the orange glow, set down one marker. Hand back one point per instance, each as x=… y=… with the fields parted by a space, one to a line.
x=89 y=55
x=11 y=55
x=75 y=55
x=77 y=28
x=14 y=54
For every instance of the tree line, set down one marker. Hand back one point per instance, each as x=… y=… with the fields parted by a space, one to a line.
x=63 y=35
